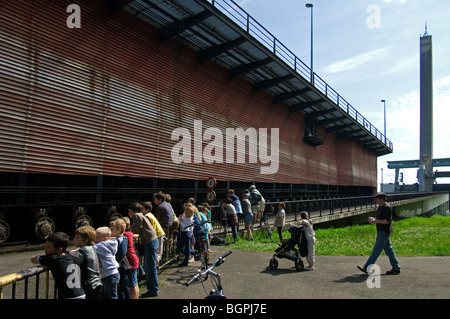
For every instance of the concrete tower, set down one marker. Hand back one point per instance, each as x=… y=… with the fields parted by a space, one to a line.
x=426 y=176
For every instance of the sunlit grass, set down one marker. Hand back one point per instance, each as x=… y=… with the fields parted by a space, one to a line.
x=417 y=236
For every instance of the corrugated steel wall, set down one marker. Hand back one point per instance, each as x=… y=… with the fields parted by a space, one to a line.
x=105 y=98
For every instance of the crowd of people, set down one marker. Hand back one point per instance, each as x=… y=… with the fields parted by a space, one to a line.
x=105 y=264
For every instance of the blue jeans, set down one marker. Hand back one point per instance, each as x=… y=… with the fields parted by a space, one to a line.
x=383 y=242
x=185 y=245
x=110 y=286
x=151 y=273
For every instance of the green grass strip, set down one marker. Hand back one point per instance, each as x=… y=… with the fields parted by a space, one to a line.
x=416 y=236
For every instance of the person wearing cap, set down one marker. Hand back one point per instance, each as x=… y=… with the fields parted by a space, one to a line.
x=383 y=222
x=258 y=203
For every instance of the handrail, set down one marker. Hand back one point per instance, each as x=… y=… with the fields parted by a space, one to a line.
x=319 y=206
x=247 y=23
x=24 y=275
x=169 y=255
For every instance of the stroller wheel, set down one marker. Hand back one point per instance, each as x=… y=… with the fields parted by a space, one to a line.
x=299 y=266
x=273 y=264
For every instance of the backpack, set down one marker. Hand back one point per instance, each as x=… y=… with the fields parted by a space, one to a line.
x=303 y=246
x=217 y=241
x=256 y=197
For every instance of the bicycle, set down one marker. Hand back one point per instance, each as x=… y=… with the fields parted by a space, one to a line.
x=201 y=245
x=265 y=220
x=202 y=251
x=213 y=294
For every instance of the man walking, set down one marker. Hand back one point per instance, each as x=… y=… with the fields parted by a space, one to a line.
x=383 y=221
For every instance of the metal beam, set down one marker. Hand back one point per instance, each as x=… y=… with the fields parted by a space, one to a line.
x=339 y=128
x=364 y=138
x=437 y=162
x=304 y=105
x=178 y=27
x=260 y=86
x=115 y=5
x=216 y=50
x=441 y=174
x=289 y=95
x=247 y=68
x=316 y=114
x=331 y=121
x=345 y=134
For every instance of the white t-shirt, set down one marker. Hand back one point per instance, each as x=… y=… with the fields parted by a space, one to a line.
x=280 y=218
x=309 y=231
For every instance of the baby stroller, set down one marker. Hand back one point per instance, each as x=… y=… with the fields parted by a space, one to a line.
x=288 y=250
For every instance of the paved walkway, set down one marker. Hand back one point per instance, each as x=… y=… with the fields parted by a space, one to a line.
x=245 y=275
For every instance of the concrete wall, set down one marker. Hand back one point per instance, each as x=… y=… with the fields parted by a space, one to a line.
x=437 y=204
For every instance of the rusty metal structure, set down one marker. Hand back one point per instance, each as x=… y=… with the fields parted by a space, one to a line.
x=88 y=113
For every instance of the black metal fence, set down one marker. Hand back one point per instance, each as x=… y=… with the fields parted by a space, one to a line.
x=319 y=207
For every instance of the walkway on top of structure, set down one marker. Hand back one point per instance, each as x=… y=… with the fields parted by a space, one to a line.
x=223 y=31
x=338 y=212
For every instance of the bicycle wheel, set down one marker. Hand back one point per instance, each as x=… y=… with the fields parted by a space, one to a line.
x=269 y=231
x=204 y=256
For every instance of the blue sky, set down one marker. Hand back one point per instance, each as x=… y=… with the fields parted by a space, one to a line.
x=366 y=62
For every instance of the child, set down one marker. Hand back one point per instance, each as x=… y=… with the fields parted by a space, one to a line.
x=64 y=271
x=160 y=234
x=106 y=250
x=186 y=229
x=87 y=259
x=207 y=213
x=207 y=225
x=280 y=220
x=117 y=227
x=131 y=275
x=311 y=239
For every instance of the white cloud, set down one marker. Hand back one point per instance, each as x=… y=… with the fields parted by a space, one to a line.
x=357 y=61
x=403 y=127
x=389 y=1
x=441 y=115
x=403 y=119
x=243 y=2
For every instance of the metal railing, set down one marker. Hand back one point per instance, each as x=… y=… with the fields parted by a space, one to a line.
x=21 y=281
x=24 y=277
x=320 y=206
x=247 y=23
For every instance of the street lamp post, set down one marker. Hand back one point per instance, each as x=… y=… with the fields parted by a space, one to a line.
x=310 y=5
x=384 y=101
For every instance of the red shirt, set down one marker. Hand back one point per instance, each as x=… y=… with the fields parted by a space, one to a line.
x=131 y=255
